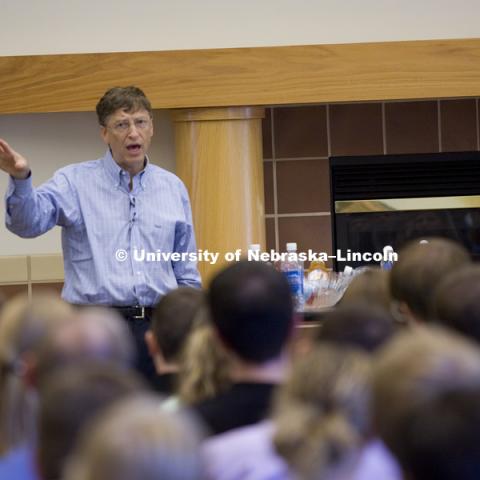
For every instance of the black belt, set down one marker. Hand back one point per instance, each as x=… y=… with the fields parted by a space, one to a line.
x=134 y=312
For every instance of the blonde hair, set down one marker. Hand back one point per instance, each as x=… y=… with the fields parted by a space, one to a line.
x=24 y=324
x=204 y=367
x=136 y=439
x=321 y=414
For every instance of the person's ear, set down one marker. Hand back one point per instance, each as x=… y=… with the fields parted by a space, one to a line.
x=407 y=313
x=152 y=344
x=104 y=134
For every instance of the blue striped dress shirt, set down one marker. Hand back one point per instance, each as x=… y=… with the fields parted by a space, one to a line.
x=100 y=216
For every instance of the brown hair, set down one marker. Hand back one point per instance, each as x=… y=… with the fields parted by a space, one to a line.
x=416 y=367
x=129 y=99
x=359 y=325
x=455 y=302
x=371 y=286
x=69 y=400
x=420 y=268
x=173 y=320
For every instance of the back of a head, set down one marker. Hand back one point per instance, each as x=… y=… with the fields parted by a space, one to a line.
x=442 y=438
x=93 y=334
x=321 y=414
x=456 y=302
x=414 y=368
x=420 y=268
x=138 y=440
x=371 y=286
x=173 y=319
x=357 y=325
x=26 y=322
x=70 y=399
x=24 y=325
x=252 y=310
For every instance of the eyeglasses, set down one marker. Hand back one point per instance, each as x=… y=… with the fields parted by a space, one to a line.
x=124 y=126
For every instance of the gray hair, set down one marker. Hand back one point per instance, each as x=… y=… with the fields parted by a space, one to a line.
x=94 y=333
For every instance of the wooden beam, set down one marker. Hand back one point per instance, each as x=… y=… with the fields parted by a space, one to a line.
x=246 y=76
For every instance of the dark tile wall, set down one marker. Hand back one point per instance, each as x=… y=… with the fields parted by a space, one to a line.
x=298 y=140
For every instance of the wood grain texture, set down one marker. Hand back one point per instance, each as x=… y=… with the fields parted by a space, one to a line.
x=219 y=157
x=246 y=76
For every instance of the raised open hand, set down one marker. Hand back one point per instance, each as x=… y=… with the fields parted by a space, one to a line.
x=12 y=162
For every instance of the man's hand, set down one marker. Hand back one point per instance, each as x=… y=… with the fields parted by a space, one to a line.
x=12 y=162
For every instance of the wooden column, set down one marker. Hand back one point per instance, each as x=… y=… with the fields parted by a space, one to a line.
x=219 y=157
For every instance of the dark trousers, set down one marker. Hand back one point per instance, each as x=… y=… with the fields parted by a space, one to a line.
x=143 y=362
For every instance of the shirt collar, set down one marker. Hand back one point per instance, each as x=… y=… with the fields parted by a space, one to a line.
x=116 y=173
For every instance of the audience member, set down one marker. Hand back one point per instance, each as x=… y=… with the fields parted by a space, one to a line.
x=357 y=325
x=24 y=324
x=322 y=416
x=321 y=427
x=456 y=302
x=252 y=313
x=171 y=324
x=95 y=333
x=371 y=286
x=137 y=440
x=205 y=368
x=418 y=271
x=70 y=399
x=57 y=338
x=415 y=368
x=441 y=440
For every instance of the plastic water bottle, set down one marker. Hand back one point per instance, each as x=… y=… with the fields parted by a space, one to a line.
x=387 y=263
x=292 y=268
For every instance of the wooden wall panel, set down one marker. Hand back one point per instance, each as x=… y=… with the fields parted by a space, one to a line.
x=246 y=76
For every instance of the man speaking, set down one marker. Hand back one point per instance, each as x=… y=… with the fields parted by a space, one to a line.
x=108 y=208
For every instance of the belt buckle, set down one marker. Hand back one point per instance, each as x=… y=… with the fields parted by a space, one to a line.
x=142 y=314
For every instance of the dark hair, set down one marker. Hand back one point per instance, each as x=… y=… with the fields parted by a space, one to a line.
x=441 y=439
x=129 y=99
x=173 y=319
x=252 y=310
x=72 y=398
x=456 y=302
x=362 y=326
x=419 y=269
